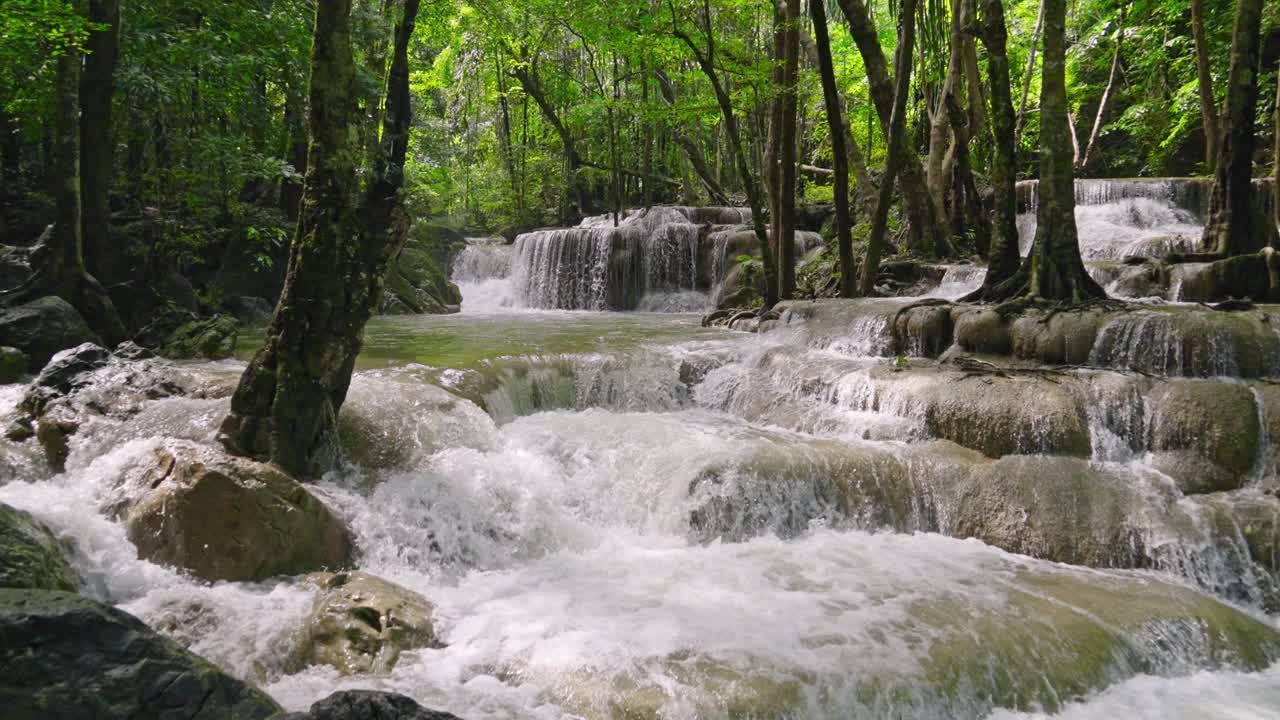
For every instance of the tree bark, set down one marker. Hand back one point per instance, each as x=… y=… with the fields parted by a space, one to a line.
x=839 y=155
x=295 y=121
x=927 y=236
x=1230 y=228
x=286 y=406
x=1057 y=272
x=706 y=62
x=1087 y=158
x=787 y=203
x=936 y=175
x=1026 y=77
x=1002 y=254
x=1204 y=80
x=773 y=145
x=897 y=148
x=573 y=161
x=96 y=89
x=696 y=160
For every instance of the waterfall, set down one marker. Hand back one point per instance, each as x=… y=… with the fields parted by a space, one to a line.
x=652 y=259
x=482 y=272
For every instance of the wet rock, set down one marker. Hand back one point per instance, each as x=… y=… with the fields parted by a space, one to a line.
x=249 y=310
x=31 y=556
x=66 y=657
x=360 y=623
x=368 y=705
x=130 y=350
x=13 y=365
x=42 y=327
x=1205 y=435
x=923 y=330
x=416 y=284
x=221 y=517
x=67 y=371
x=980 y=330
x=1189 y=342
x=1059 y=338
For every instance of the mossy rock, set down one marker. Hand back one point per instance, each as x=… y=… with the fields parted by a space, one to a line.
x=31 y=556
x=66 y=657
x=360 y=623
x=13 y=365
x=1205 y=434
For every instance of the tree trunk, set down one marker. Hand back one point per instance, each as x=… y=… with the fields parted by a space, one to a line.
x=1002 y=254
x=296 y=122
x=936 y=175
x=96 y=89
x=897 y=148
x=1086 y=159
x=773 y=146
x=690 y=148
x=927 y=236
x=1204 y=79
x=1056 y=271
x=573 y=161
x=286 y=406
x=706 y=62
x=839 y=155
x=787 y=201
x=1230 y=227
x=1026 y=77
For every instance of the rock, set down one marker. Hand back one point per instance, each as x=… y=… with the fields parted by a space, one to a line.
x=130 y=350
x=31 y=556
x=1204 y=434
x=416 y=283
x=1061 y=338
x=179 y=290
x=13 y=365
x=221 y=517
x=360 y=623
x=923 y=330
x=980 y=330
x=64 y=373
x=249 y=310
x=42 y=327
x=66 y=657
x=368 y=705
x=213 y=338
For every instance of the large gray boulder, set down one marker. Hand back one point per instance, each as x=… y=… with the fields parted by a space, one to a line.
x=360 y=623
x=66 y=657
x=368 y=705
x=42 y=327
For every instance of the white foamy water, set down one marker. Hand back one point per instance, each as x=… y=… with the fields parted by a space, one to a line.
x=562 y=533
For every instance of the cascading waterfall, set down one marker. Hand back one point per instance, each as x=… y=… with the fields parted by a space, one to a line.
x=482 y=272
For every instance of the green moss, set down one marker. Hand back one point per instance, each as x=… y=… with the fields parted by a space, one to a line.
x=31 y=556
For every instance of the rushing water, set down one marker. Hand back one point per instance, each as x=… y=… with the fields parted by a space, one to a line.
x=589 y=502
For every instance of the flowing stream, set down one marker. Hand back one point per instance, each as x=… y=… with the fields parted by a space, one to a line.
x=628 y=515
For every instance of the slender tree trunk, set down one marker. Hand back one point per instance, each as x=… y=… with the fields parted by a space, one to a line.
x=928 y=236
x=897 y=124
x=690 y=148
x=96 y=89
x=787 y=204
x=1057 y=272
x=1002 y=254
x=296 y=122
x=1087 y=158
x=1230 y=228
x=1026 y=76
x=285 y=408
x=839 y=155
x=573 y=161
x=773 y=146
x=1204 y=80
x=936 y=174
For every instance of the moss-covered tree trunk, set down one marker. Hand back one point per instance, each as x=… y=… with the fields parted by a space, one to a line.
x=1002 y=255
x=1230 y=230
x=1056 y=270
x=285 y=408
x=96 y=90
x=839 y=153
x=59 y=267
x=1204 y=81
x=897 y=148
x=927 y=234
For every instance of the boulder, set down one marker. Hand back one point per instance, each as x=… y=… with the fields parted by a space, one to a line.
x=416 y=283
x=129 y=350
x=13 y=365
x=249 y=310
x=1059 y=338
x=980 y=330
x=42 y=327
x=213 y=338
x=221 y=517
x=31 y=556
x=1204 y=434
x=359 y=623
x=67 y=371
x=923 y=330
x=66 y=657
x=368 y=705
